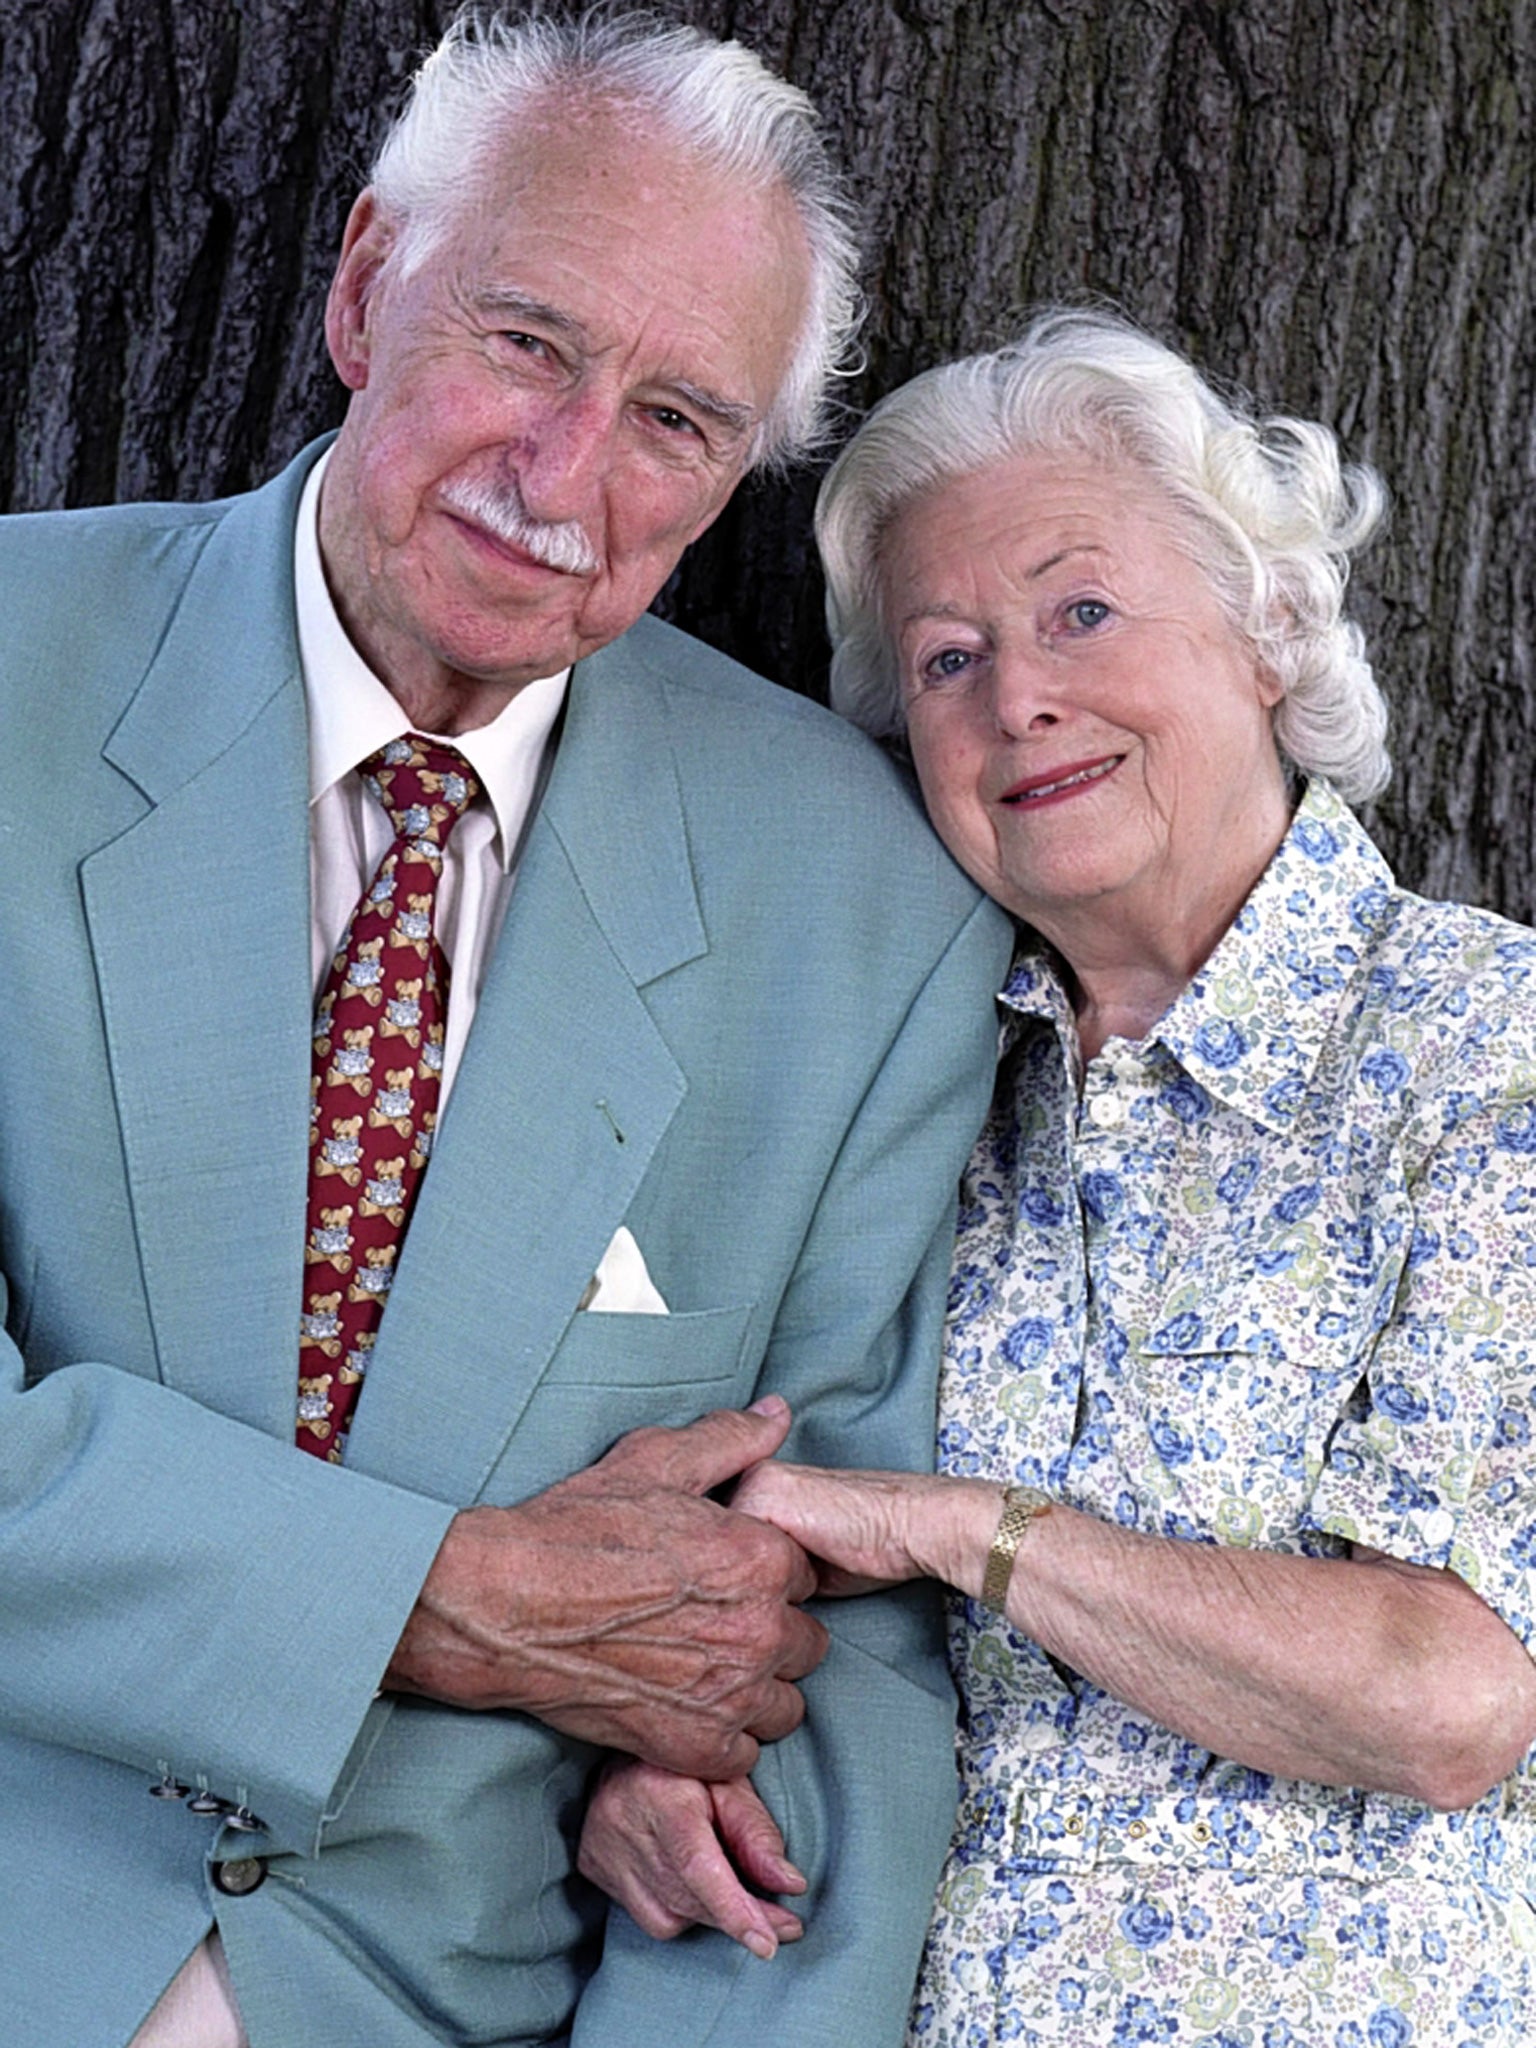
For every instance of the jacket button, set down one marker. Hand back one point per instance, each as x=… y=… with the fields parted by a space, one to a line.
x=240 y=1876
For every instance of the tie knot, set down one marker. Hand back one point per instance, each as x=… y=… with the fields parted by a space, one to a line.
x=425 y=787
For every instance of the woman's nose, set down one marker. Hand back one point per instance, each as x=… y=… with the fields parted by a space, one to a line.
x=1026 y=696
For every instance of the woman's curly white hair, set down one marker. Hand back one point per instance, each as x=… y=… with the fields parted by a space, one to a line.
x=1265 y=507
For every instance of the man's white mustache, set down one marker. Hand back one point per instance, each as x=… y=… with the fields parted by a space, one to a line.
x=498 y=506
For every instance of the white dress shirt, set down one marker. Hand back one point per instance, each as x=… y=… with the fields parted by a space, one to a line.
x=352 y=715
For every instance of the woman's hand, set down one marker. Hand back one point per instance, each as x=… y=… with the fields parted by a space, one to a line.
x=864 y=1530
x=676 y=1853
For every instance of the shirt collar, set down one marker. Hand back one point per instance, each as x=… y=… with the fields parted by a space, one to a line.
x=1252 y=1023
x=352 y=714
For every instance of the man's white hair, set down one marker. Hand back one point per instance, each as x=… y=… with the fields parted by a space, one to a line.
x=478 y=87
x=1263 y=506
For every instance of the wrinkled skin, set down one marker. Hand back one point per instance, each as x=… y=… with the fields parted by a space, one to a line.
x=623 y=1607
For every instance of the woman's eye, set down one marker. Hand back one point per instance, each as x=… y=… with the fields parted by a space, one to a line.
x=1086 y=613
x=946 y=664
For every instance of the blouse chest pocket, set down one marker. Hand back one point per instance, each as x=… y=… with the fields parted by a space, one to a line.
x=1253 y=1353
x=1304 y=1286
x=1267 y=1319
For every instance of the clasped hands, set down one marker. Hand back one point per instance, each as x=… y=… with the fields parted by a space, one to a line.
x=626 y=1608
x=676 y=1851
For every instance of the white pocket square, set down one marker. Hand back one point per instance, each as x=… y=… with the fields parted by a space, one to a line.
x=621 y=1284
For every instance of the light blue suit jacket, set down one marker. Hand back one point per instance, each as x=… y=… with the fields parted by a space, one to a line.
x=741 y=1003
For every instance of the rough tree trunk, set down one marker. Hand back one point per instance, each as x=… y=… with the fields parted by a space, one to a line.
x=1330 y=204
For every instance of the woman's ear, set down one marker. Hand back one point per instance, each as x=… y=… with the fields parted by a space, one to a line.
x=1268 y=684
x=1280 y=624
x=364 y=248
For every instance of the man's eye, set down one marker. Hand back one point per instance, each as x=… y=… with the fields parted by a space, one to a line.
x=525 y=344
x=672 y=420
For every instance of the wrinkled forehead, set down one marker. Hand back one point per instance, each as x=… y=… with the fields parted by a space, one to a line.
x=1057 y=499
x=610 y=189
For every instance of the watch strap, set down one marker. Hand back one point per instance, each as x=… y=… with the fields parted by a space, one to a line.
x=1021 y=1506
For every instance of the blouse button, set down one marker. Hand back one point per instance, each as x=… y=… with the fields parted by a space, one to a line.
x=1107 y=1111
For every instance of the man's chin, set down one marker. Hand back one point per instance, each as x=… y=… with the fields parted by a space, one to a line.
x=522 y=651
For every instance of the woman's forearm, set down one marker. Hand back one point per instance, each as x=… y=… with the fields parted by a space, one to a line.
x=1361 y=1671
x=1358 y=1671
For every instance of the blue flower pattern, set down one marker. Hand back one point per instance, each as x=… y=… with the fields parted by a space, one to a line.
x=1267 y=1280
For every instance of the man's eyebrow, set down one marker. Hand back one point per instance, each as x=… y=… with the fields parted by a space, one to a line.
x=508 y=303
x=730 y=413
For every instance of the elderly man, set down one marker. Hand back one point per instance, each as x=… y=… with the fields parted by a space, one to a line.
x=281 y=761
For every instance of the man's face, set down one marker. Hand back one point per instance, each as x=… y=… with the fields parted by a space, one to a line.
x=551 y=407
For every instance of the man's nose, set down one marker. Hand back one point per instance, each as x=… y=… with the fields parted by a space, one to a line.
x=565 y=456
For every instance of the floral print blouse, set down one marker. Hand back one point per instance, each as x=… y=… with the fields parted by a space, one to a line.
x=1269 y=1280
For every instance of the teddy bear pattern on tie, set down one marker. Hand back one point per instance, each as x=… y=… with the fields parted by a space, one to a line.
x=374 y=1084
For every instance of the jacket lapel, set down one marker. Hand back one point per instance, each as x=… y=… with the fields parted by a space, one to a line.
x=564 y=1093
x=199 y=923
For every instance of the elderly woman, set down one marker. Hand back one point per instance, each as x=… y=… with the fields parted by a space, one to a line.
x=1236 y=1493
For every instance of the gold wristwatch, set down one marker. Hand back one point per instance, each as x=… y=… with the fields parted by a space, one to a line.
x=1021 y=1505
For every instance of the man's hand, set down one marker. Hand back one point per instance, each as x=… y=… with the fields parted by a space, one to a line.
x=623 y=1607
x=676 y=1853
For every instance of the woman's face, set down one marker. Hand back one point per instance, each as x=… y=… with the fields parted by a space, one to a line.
x=1092 y=737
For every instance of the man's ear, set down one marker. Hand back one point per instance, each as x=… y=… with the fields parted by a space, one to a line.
x=366 y=243
x=717 y=504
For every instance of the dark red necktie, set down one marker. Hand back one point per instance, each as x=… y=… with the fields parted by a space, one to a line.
x=378 y=1061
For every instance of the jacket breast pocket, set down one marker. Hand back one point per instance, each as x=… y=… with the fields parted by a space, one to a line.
x=618 y=1350
x=614 y=1373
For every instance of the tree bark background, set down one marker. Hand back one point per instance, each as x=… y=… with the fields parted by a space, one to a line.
x=1331 y=204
